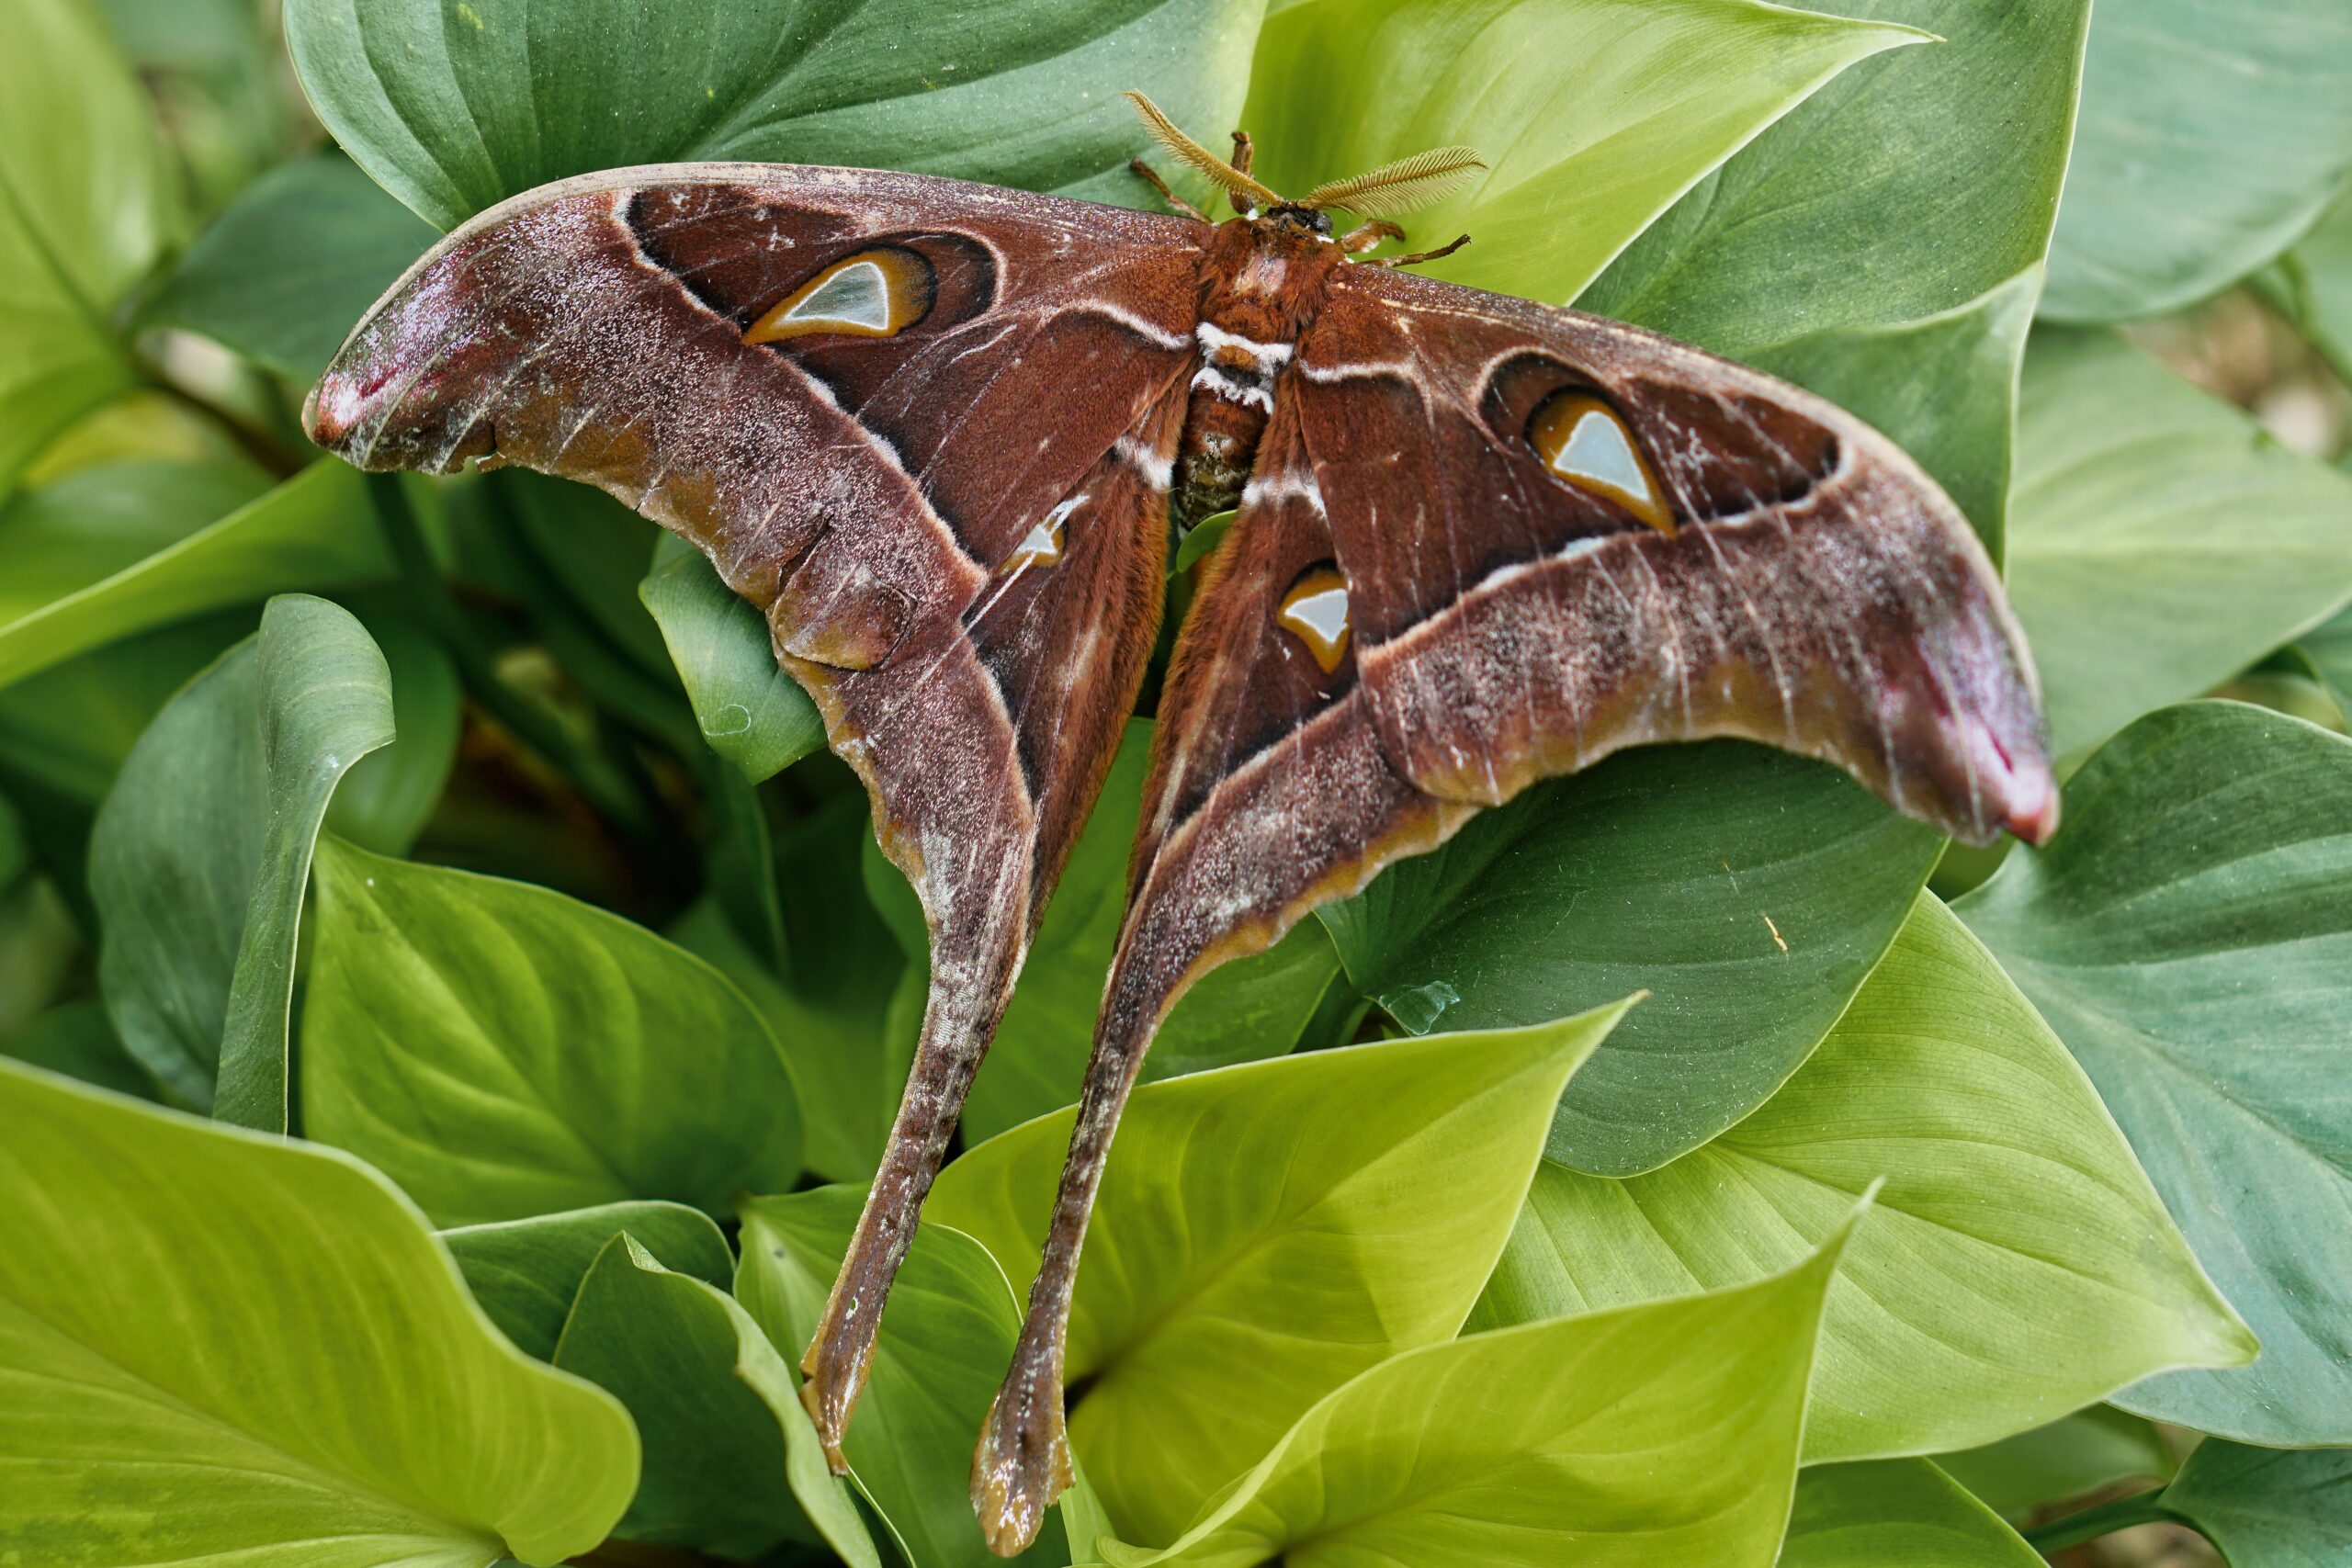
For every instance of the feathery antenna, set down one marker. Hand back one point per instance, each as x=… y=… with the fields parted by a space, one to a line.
x=1191 y=153
x=1422 y=180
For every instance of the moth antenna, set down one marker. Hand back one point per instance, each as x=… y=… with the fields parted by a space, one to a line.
x=1422 y=180
x=1236 y=184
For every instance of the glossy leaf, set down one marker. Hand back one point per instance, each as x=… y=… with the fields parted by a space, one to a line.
x=1913 y=184
x=750 y=712
x=2266 y=1508
x=1265 y=1232
x=2137 y=500
x=1579 y=160
x=2001 y=1169
x=282 y=274
x=313 y=532
x=730 y=1458
x=87 y=209
x=188 y=1304
x=2213 y=132
x=1659 y=1433
x=526 y=1272
x=452 y=112
x=502 y=1051
x=2188 y=935
x=1897 y=1511
x=947 y=1336
x=2072 y=1455
x=1748 y=891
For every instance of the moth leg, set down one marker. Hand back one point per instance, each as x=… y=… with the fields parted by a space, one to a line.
x=1418 y=256
x=1170 y=196
x=1362 y=237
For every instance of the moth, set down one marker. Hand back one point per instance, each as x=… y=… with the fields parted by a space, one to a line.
x=941 y=433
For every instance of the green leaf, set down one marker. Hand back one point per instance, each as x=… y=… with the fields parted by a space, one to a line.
x=947 y=1336
x=201 y=851
x=284 y=273
x=730 y=1458
x=2326 y=651
x=1945 y=387
x=2211 y=135
x=596 y=550
x=2269 y=1509
x=1751 y=891
x=71 y=726
x=325 y=700
x=526 y=1272
x=1266 y=1232
x=2077 y=1454
x=188 y=1304
x=1256 y=1007
x=75 y=1039
x=750 y=712
x=1897 y=1511
x=2000 y=1168
x=1659 y=1433
x=2313 y=284
x=1198 y=540
x=452 y=112
x=67 y=590
x=384 y=802
x=502 y=1051
x=2159 y=541
x=1912 y=185
x=85 y=206
x=2188 y=934
x=1579 y=160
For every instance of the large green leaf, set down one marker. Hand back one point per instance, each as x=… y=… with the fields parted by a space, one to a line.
x=282 y=274
x=325 y=700
x=501 y=1050
x=202 y=853
x=750 y=712
x=1265 y=1232
x=1594 y=115
x=2188 y=934
x=2212 y=133
x=84 y=208
x=2269 y=1509
x=313 y=532
x=526 y=1272
x=69 y=728
x=1910 y=186
x=452 y=110
x=1901 y=1512
x=216 y=1345
x=947 y=1336
x=1661 y=1433
x=730 y=1459
x=2000 y=1168
x=2073 y=1454
x=1749 y=891
x=2159 y=541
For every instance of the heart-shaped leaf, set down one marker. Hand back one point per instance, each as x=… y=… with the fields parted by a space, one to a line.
x=2129 y=555
x=88 y=208
x=750 y=712
x=1659 y=1433
x=526 y=1272
x=2264 y=1509
x=502 y=1051
x=282 y=274
x=188 y=1305
x=1896 y=1511
x=2188 y=934
x=2212 y=136
x=1265 y=1232
x=1749 y=891
x=1578 y=161
x=947 y=1336
x=2000 y=1168
x=730 y=1459
x=454 y=110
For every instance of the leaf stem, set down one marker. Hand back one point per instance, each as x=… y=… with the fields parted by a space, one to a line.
x=2120 y=1513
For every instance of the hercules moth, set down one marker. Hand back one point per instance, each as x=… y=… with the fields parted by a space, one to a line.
x=941 y=433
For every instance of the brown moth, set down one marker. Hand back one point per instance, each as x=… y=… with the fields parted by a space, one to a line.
x=939 y=431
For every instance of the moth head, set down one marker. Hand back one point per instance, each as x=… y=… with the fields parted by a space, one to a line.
x=1422 y=180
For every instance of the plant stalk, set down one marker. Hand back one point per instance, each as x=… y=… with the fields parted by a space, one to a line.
x=2120 y=1513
